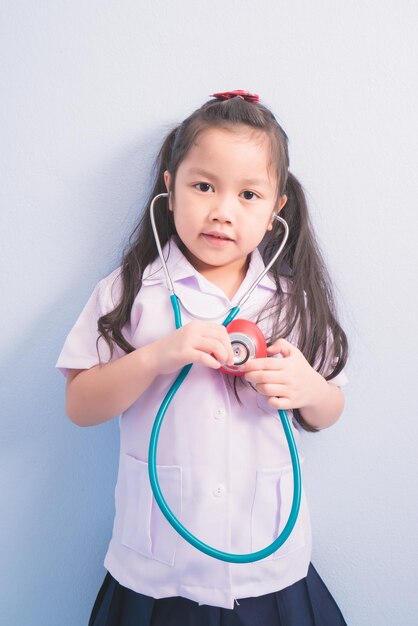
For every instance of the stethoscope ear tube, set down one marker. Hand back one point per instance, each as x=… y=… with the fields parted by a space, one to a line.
x=155 y=486
x=152 y=455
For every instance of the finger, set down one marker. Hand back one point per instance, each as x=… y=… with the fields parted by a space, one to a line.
x=205 y=359
x=215 y=331
x=255 y=365
x=281 y=346
x=272 y=390
x=216 y=348
x=207 y=329
x=226 y=340
x=283 y=404
x=265 y=376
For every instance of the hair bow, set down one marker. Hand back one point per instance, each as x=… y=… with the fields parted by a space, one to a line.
x=246 y=95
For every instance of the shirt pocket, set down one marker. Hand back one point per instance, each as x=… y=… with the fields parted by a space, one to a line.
x=145 y=529
x=272 y=503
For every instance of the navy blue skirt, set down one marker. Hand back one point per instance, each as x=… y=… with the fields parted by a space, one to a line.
x=305 y=603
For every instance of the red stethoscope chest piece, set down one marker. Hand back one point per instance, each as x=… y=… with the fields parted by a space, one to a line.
x=247 y=341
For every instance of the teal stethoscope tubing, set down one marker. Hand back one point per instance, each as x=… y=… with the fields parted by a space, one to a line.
x=152 y=453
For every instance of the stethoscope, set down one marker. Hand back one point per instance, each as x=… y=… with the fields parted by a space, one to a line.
x=247 y=342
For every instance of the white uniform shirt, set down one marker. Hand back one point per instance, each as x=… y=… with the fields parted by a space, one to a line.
x=224 y=468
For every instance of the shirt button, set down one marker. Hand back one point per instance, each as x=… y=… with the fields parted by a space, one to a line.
x=219 y=490
x=219 y=413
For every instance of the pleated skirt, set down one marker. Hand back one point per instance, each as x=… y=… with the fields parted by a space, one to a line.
x=308 y=602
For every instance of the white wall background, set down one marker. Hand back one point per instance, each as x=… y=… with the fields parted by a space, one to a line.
x=88 y=90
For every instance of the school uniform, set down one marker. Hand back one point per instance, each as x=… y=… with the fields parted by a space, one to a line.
x=223 y=467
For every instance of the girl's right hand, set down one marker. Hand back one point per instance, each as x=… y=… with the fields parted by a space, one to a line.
x=206 y=343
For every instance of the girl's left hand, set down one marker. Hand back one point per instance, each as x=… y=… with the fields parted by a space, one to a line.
x=290 y=382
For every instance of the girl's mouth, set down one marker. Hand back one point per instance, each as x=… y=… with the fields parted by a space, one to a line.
x=216 y=240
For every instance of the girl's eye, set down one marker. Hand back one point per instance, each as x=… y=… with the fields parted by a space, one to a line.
x=205 y=187
x=249 y=195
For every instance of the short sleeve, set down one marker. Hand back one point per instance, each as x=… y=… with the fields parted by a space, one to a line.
x=79 y=350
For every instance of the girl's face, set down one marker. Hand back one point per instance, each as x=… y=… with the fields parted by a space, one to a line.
x=224 y=199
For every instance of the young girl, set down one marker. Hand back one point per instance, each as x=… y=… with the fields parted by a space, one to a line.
x=223 y=460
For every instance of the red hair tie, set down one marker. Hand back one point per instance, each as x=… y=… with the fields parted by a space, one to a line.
x=245 y=95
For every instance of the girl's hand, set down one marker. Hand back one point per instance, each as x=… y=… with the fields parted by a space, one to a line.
x=290 y=382
x=206 y=343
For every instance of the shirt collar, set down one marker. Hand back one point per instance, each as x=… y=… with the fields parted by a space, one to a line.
x=180 y=269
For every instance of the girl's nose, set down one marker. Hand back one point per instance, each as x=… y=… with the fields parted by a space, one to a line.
x=223 y=208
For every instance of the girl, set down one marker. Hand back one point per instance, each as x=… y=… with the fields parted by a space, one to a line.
x=223 y=461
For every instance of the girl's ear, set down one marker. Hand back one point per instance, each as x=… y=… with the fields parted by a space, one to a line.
x=282 y=202
x=167 y=180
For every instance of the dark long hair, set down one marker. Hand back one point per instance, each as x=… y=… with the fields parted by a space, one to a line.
x=308 y=307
